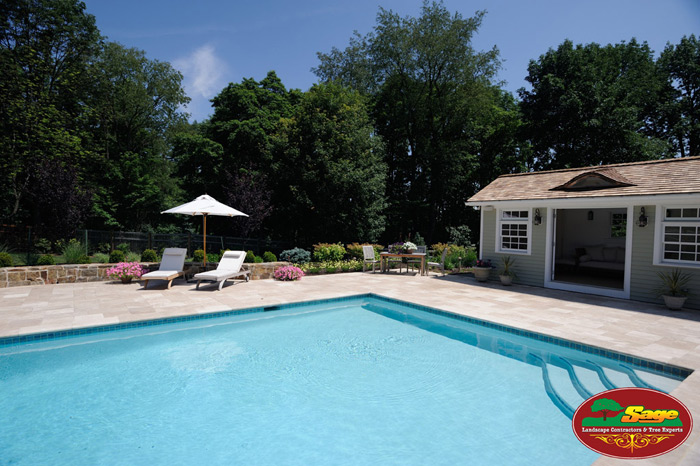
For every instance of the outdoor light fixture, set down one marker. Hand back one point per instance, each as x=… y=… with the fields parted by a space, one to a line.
x=643 y=219
x=590 y=215
x=538 y=218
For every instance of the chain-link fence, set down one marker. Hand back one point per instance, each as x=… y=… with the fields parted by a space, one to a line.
x=20 y=240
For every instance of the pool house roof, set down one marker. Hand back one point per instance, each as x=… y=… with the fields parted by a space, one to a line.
x=677 y=176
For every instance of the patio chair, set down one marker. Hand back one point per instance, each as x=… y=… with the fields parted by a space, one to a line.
x=370 y=258
x=414 y=262
x=229 y=268
x=171 y=266
x=440 y=265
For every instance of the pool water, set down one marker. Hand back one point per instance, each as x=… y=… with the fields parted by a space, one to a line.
x=354 y=382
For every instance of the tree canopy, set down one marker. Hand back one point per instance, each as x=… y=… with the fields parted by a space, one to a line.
x=593 y=104
x=406 y=123
x=432 y=97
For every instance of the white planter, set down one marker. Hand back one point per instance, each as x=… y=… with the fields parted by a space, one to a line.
x=506 y=280
x=482 y=273
x=674 y=303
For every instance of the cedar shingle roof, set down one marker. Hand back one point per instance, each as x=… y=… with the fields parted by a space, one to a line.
x=655 y=177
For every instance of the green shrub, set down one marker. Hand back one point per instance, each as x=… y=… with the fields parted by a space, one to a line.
x=328 y=252
x=42 y=246
x=84 y=259
x=314 y=270
x=296 y=256
x=73 y=252
x=249 y=257
x=471 y=258
x=149 y=255
x=6 y=259
x=46 y=259
x=132 y=257
x=212 y=257
x=258 y=260
x=418 y=240
x=103 y=248
x=100 y=258
x=269 y=257
x=116 y=256
x=346 y=267
x=198 y=255
x=331 y=270
x=454 y=253
x=460 y=235
x=123 y=247
x=355 y=250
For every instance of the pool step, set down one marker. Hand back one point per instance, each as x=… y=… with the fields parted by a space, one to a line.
x=559 y=401
x=655 y=381
x=569 y=384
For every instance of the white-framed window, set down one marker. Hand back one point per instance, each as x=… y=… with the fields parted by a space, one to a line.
x=679 y=238
x=513 y=231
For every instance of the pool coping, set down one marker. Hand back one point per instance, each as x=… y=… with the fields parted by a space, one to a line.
x=670 y=370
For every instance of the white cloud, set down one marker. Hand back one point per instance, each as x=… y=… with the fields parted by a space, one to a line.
x=203 y=75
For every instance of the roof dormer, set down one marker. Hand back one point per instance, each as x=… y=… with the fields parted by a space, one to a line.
x=604 y=178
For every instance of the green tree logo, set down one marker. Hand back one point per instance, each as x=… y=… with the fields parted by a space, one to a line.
x=605 y=405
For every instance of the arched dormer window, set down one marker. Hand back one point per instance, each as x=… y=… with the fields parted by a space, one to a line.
x=604 y=178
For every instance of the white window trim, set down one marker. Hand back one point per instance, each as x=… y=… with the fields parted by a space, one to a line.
x=659 y=235
x=528 y=222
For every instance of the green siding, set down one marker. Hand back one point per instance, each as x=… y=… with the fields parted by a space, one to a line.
x=644 y=279
x=529 y=268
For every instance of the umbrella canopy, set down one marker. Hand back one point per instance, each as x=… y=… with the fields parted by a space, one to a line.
x=205 y=205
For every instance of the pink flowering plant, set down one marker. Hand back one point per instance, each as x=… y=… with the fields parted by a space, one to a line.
x=125 y=271
x=289 y=273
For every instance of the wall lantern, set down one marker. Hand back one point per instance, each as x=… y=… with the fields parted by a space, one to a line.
x=643 y=219
x=538 y=218
x=590 y=215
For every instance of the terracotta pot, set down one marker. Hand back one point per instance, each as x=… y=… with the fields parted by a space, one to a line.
x=482 y=273
x=674 y=303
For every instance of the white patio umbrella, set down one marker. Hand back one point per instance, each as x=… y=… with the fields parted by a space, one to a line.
x=205 y=205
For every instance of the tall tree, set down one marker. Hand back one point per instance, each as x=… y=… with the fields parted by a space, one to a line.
x=134 y=112
x=592 y=104
x=428 y=85
x=246 y=117
x=45 y=51
x=681 y=66
x=329 y=170
x=246 y=114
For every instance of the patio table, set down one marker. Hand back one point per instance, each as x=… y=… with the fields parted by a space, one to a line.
x=384 y=258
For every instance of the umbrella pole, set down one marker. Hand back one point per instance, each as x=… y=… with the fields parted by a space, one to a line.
x=205 y=240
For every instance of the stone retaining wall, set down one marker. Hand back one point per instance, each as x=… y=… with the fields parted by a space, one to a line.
x=52 y=274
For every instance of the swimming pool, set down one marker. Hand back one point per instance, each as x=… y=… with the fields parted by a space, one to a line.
x=364 y=380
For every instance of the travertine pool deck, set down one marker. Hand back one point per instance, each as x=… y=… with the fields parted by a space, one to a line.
x=643 y=330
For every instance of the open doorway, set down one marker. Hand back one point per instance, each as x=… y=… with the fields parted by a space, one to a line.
x=589 y=247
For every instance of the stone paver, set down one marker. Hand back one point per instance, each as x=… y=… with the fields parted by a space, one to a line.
x=640 y=329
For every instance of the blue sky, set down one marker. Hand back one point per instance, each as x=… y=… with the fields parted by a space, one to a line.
x=216 y=42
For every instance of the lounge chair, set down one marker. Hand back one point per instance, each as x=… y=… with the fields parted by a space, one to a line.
x=229 y=267
x=370 y=258
x=171 y=267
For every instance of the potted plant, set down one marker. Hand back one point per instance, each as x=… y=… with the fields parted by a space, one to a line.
x=673 y=288
x=507 y=274
x=482 y=270
x=125 y=271
x=409 y=247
